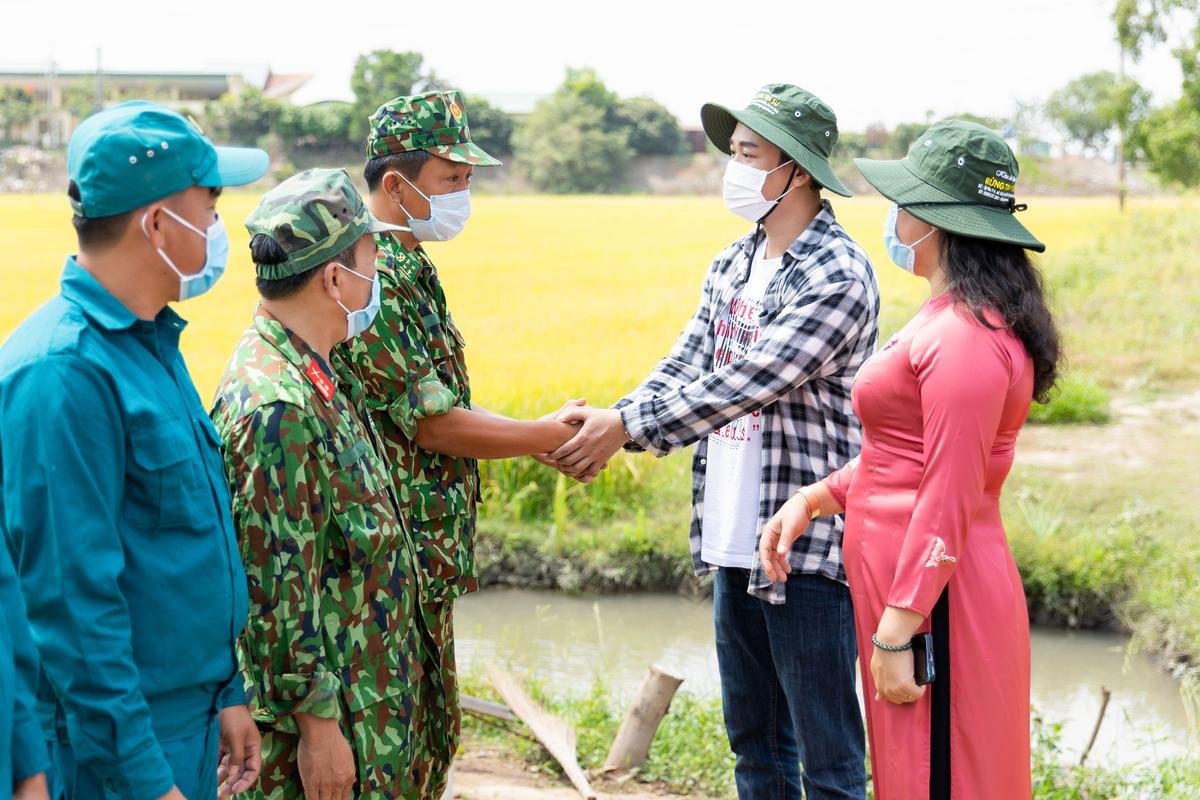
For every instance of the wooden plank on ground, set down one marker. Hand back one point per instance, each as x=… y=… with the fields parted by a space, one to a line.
x=556 y=734
x=486 y=708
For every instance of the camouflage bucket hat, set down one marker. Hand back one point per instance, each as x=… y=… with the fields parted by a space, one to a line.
x=433 y=121
x=313 y=216
x=960 y=177
x=795 y=121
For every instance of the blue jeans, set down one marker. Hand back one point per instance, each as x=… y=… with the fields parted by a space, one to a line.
x=787 y=687
x=193 y=761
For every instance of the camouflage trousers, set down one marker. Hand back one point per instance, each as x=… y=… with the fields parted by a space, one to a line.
x=403 y=745
x=438 y=698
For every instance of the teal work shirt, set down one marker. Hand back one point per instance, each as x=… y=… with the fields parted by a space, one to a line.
x=114 y=506
x=22 y=747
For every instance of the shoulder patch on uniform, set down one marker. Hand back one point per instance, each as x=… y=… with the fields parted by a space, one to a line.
x=320 y=380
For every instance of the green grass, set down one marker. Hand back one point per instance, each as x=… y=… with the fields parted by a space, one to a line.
x=690 y=753
x=1053 y=779
x=1127 y=301
x=1074 y=399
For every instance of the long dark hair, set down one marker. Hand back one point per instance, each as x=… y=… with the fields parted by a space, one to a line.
x=992 y=275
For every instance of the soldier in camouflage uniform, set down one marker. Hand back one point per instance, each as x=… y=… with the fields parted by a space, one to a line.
x=420 y=161
x=334 y=650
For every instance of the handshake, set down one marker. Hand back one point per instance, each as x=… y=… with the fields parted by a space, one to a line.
x=595 y=435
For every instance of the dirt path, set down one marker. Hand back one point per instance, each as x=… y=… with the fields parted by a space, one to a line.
x=1074 y=451
x=483 y=773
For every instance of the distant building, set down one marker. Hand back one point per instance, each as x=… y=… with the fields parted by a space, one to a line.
x=697 y=139
x=61 y=99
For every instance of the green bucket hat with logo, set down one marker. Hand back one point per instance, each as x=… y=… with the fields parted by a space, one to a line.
x=960 y=177
x=433 y=121
x=795 y=121
x=313 y=216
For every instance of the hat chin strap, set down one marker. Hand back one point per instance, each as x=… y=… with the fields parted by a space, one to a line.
x=1012 y=207
x=779 y=199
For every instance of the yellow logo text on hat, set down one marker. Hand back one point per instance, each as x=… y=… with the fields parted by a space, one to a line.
x=767 y=102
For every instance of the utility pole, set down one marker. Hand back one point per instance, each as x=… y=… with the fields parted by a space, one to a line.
x=98 y=104
x=1124 y=123
x=50 y=75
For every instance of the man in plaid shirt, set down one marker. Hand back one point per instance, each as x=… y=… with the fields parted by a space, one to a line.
x=760 y=381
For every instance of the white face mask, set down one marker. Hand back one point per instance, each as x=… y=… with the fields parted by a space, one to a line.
x=743 y=187
x=358 y=321
x=216 y=256
x=448 y=215
x=903 y=255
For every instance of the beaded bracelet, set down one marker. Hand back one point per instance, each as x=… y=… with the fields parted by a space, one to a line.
x=891 y=648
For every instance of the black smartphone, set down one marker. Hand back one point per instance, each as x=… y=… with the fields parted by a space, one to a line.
x=922 y=648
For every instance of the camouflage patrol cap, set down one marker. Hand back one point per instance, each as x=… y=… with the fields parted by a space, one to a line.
x=313 y=216
x=433 y=121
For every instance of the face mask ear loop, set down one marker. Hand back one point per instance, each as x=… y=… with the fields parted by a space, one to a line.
x=932 y=230
x=763 y=218
x=410 y=183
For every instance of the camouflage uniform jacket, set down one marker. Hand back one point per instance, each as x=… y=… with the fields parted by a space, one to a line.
x=412 y=364
x=334 y=629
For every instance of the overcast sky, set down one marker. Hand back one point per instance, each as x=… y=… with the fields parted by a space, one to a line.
x=870 y=60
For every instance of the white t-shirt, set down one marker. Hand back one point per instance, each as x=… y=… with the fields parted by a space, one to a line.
x=733 y=473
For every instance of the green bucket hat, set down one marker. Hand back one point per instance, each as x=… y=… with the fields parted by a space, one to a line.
x=433 y=121
x=960 y=177
x=313 y=216
x=795 y=121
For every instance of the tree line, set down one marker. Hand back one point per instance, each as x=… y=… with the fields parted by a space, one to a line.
x=583 y=136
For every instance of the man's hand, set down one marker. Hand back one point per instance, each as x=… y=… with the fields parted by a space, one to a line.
x=32 y=788
x=601 y=434
x=326 y=762
x=544 y=458
x=240 y=757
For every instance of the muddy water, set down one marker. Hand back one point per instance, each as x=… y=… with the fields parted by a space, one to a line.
x=568 y=641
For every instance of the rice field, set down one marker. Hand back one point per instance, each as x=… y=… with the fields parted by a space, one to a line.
x=557 y=296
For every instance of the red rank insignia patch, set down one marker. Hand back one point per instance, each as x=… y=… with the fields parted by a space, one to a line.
x=319 y=380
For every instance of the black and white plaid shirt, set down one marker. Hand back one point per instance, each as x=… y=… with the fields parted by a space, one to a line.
x=818 y=324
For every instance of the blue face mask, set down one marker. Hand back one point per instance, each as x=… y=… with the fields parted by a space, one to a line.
x=215 y=258
x=903 y=255
x=359 y=321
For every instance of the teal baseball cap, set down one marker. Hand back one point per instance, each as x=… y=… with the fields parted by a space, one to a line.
x=137 y=152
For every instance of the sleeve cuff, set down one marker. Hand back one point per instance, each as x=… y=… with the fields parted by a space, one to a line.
x=315 y=694
x=29 y=753
x=425 y=398
x=837 y=490
x=145 y=775
x=234 y=693
x=639 y=425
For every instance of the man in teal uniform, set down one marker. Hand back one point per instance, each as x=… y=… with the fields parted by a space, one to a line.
x=113 y=500
x=23 y=757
